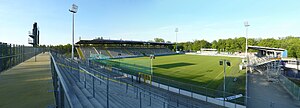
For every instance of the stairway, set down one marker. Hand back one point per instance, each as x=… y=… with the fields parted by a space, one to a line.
x=108 y=52
x=81 y=56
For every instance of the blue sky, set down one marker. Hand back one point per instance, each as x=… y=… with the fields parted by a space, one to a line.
x=148 y=19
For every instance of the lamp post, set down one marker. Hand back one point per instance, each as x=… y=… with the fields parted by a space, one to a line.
x=176 y=31
x=73 y=10
x=224 y=63
x=246 y=57
x=246 y=51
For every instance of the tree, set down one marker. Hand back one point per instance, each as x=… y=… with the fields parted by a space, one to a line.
x=205 y=44
x=64 y=49
x=221 y=44
x=269 y=42
x=196 y=45
x=187 y=46
x=214 y=45
x=159 y=40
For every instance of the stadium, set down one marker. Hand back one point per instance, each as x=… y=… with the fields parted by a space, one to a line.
x=131 y=54
x=118 y=73
x=194 y=73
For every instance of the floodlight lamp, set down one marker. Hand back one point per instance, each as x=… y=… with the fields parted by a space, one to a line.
x=221 y=62
x=246 y=24
x=74 y=8
x=176 y=29
x=228 y=63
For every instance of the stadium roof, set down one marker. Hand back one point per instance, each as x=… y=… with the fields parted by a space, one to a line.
x=107 y=41
x=265 y=48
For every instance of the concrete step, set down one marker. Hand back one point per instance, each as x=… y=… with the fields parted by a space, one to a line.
x=115 y=93
x=93 y=100
x=81 y=97
x=75 y=101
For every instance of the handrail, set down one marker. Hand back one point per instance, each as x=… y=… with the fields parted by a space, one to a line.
x=64 y=85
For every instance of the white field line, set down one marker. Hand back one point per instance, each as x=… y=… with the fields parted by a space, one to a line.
x=216 y=77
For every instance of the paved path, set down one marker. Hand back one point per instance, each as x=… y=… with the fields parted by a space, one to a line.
x=264 y=94
x=26 y=85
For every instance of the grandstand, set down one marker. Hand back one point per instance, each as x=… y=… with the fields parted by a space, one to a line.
x=121 y=48
x=131 y=58
x=265 y=54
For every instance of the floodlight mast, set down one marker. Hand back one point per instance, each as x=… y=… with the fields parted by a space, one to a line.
x=225 y=63
x=246 y=57
x=176 y=31
x=73 y=10
x=246 y=25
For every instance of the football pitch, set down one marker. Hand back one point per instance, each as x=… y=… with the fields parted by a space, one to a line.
x=196 y=70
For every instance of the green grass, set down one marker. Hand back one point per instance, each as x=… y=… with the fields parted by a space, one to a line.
x=190 y=72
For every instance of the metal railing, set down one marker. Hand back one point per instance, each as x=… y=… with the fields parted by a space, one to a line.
x=283 y=88
x=12 y=54
x=61 y=91
x=293 y=88
x=193 y=88
x=109 y=88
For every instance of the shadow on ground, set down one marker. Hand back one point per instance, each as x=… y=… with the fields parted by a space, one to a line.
x=174 y=65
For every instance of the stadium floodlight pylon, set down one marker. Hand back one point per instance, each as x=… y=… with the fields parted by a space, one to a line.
x=176 y=31
x=247 y=60
x=73 y=10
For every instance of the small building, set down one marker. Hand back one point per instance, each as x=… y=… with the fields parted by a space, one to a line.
x=270 y=52
x=208 y=51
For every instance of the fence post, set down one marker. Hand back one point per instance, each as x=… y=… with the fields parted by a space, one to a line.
x=101 y=77
x=126 y=87
x=84 y=79
x=10 y=52
x=298 y=93
x=150 y=98
x=107 y=90
x=1 y=56
x=140 y=99
x=205 y=94
x=60 y=95
x=94 y=85
x=136 y=89
x=78 y=72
